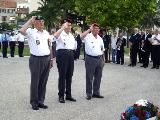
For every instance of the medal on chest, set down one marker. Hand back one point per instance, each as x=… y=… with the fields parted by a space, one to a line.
x=37 y=41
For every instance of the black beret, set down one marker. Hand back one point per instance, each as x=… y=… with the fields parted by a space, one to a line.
x=39 y=17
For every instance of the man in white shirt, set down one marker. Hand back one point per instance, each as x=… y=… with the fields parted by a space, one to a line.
x=66 y=44
x=40 y=60
x=114 y=46
x=155 y=41
x=20 y=39
x=94 y=61
x=12 y=43
x=0 y=40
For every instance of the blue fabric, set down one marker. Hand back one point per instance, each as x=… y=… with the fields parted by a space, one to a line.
x=134 y=118
x=5 y=37
x=114 y=55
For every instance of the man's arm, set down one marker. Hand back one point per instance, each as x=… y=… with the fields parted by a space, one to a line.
x=26 y=25
x=57 y=34
x=83 y=35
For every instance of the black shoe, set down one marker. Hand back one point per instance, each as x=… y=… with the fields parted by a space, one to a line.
x=35 y=107
x=122 y=63
x=61 y=100
x=153 y=67
x=42 y=106
x=129 y=65
x=157 y=67
x=88 y=97
x=70 y=98
x=133 y=65
x=145 y=66
x=142 y=66
x=97 y=96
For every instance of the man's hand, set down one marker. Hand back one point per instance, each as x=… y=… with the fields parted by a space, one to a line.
x=51 y=63
x=65 y=25
x=33 y=19
x=91 y=27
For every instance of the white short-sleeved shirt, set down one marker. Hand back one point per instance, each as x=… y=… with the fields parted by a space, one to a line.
x=20 y=37
x=156 y=42
x=66 y=41
x=93 y=46
x=38 y=42
x=113 y=42
x=13 y=38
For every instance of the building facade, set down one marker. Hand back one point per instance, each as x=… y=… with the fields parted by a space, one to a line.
x=7 y=11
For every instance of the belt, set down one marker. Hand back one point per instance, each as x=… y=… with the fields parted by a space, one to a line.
x=40 y=56
x=99 y=56
x=69 y=50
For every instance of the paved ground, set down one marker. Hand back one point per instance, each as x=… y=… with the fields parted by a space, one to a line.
x=122 y=86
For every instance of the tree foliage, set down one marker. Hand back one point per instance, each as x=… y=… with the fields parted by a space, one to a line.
x=116 y=13
x=112 y=13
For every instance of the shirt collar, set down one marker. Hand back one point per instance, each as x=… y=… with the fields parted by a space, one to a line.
x=93 y=36
x=38 y=30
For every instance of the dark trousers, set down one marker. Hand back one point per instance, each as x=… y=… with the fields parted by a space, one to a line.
x=106 y=54
x=39 y=68
x=140 y=55
x=12 y=45
x=145 y=58
x=65 y=65
x=77 y=53
x=156 y=55
x=120 y=57
x=84 y=50
x=20 y=48
x=133 y=56
x=4 y=48
x=54 y=49
x=94 y=67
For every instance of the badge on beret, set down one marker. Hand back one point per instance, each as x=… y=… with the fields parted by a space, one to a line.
x=37 y=42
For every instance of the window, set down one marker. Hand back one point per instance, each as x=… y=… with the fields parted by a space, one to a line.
x=8 y=10
x=4 y=18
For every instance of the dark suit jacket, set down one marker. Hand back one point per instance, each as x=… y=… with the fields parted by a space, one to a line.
x=123 y=43
x=147 y=45
x=106 y=41
x=135 y=40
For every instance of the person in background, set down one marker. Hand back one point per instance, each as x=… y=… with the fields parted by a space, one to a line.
x=134 y=47
x=146 y=49
x=106 y=40
x=79 y=44
x=155 y=40
x=140 y=46
x=12 y=43
x=114 y=46
x=53 y=43
x=5 y=38
x=121 y=42
x=0 y=40
x=20 y=39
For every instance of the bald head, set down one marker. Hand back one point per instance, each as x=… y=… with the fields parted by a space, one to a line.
x=156 y=32
x=135 y=30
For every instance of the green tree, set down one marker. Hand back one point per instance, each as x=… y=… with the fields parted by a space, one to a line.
x=54 y=10
x=115 y=13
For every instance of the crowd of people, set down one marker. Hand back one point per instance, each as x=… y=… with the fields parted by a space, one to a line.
x=10 y=39
x=143 y=45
